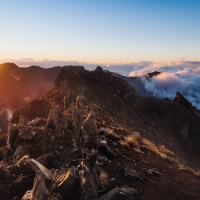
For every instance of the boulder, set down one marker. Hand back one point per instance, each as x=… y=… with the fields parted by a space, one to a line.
x=4 y=172
x=19 y=153
x=52 y=121
x=38 y=121
x=74 y=123
x=38 y=167
x=6 y=153
x=105 y=150
x=123 y=193
x=89 y=176
x=42 y=177
x=48 y=158
x=67 y=185
x=103 y=131
x=27 y=195
x=21 y=167
x=152 y=172
x=27 y=132
x=131 y=174
x=89 y=182
x=39 y=191
x=89 y=132
x=13 y=132
x=23 y=120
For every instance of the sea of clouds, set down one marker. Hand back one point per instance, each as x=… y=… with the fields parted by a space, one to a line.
x=181 y=76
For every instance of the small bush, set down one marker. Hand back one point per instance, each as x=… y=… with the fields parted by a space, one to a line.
x=124 y=144
x=136 y=141
x=166 y=151
x=104 y=179
x=170 y=159
x=189 y=170
x=113 y=136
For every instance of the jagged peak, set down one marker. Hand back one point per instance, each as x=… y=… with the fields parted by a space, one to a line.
x=99 y=69
x=180 y=99
x=152 y=74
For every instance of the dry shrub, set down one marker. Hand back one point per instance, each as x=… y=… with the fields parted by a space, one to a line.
x=189 y=170
x=146 y=144
x=104 y=179
x=113 y=136
x=170 y=159
x=124 y=144
x=166 y=151
x=136 y=141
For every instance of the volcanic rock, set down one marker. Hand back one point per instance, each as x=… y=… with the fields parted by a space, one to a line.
x=123 y=193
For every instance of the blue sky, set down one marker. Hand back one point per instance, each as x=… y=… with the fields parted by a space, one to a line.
x=104 y=31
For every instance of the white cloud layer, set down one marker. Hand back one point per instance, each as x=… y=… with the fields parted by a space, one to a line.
x=181 y=76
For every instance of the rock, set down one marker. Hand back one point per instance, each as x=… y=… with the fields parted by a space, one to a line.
x=102 y=158
x=19 y=153
x=38 y=121
x=48 y=158
x=89 y=182
x=179 y=99
x=138 y=151
x=91 y=158
x=13 y=132
x=103 y=131
x=6 y=153
x=27 y=132
x=38 y=167
x=113 y=181
x=28 y=195
x=131 y=174
x=39 y=191
x=105 y=150
x=123 y=193
x=52 y=121
x=89 y=132
x=74 y=121
x=4 y=172
x=22 y=166
x=23 y=120
x=99 y=69
x=152 y=172
x=67 y=186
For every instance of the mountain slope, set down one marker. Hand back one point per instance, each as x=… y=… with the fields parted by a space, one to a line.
x=140 y=143
x=163 y=121
x=18 y=85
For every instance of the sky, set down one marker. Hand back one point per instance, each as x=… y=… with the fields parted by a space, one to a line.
x=107 y=32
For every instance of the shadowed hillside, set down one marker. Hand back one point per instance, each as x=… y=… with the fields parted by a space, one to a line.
x=101 y=140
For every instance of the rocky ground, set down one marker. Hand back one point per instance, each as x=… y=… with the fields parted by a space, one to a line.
x=86 y=150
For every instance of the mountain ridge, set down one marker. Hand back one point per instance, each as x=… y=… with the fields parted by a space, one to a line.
x=140 y=142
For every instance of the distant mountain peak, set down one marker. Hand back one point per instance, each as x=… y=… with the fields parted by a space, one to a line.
x=152 y=74
x=9 y=65
x=180 y=99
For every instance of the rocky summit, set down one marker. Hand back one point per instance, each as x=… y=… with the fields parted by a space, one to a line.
x=94 y=137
